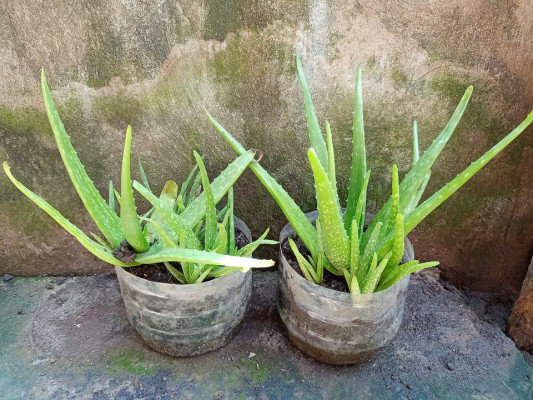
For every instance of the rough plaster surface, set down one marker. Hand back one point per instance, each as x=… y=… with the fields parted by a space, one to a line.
x=71 y=340
x=156 y=64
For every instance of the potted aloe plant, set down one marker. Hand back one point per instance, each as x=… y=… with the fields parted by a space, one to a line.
x=371 y=254
x=204 y=310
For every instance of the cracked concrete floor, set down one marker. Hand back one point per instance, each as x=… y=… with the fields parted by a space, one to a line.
x=69 y=339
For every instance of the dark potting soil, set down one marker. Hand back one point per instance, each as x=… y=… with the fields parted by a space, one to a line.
x=159 y=273
x=330 y=281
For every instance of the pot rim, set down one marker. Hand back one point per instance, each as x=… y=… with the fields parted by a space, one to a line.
x=332 y=293
x=196 y=287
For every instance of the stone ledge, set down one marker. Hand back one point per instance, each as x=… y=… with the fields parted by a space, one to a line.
x=70 y=339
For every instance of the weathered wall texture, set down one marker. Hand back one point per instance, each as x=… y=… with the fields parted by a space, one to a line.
x=156 y=64
x=521 y=319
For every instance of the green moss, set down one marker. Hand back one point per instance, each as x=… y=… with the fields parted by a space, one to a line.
x=399 y=78
x=132 y=362
x=222 y=18
x=449 y=86
x=260 y=375
x=119 y=110
x=371 y=62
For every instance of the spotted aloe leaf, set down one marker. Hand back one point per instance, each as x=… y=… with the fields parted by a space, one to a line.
x=335 y=239
x=105 y=219
x=95 y=248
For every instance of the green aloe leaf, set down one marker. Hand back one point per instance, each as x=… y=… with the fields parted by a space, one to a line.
x=414 y=218
x=231 y=224
x=143 y=176
x=416 y=176
x=221 y=243
x=160 y=231
x=374 y=275
x=316 y=140
x=247 y=250
x=111 y=196
x=424 y=209
x=305 y=266
x=320 y=257
x=416 y=147
x=369 y=250
x=404 y=270
x=105 y=219
x=398 y=245
x=296 y=217
x=210 y=234
x=217 y=272
x=355 y=255
x=199 y=257
x=196 y=210
x=416 y=156
x=175 y=273
x=185 y=186
x=354 y=286
x=331 y=157
x=195 y=189
x=101 y=241
x=170 y=216
x=95 y=248
x=336 y=242
x=395 y=200
x=358 y=170
x=128 y=211
x=361 y=204
x=203 y=275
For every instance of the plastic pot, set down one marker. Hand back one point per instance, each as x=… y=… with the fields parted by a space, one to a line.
x=187 y=320
x=336 y=327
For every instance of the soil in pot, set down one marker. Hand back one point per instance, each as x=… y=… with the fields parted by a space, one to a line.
x=159 y=273
x=330 y=281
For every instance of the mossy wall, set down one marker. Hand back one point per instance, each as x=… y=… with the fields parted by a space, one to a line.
x=155 y=65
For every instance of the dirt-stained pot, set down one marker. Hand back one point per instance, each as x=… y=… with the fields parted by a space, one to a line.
x=187 y=320
x=337 y=327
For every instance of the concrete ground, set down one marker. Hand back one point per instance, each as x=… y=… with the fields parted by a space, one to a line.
x=69 y=339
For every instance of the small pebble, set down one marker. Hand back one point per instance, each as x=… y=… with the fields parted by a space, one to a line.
x=450 y=366
x=7 y=277
x=60 y=280
x=48 y=286
x=394 y=377
x=218 y=395
x=21 y=312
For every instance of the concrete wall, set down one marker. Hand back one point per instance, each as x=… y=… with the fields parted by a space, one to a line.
x=156 y=64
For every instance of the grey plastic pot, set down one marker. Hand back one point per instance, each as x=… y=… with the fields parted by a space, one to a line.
x=187 y=320
x=336 y=327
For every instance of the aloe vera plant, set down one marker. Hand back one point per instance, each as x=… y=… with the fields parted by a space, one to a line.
x=369 y=259
x=172 y=231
